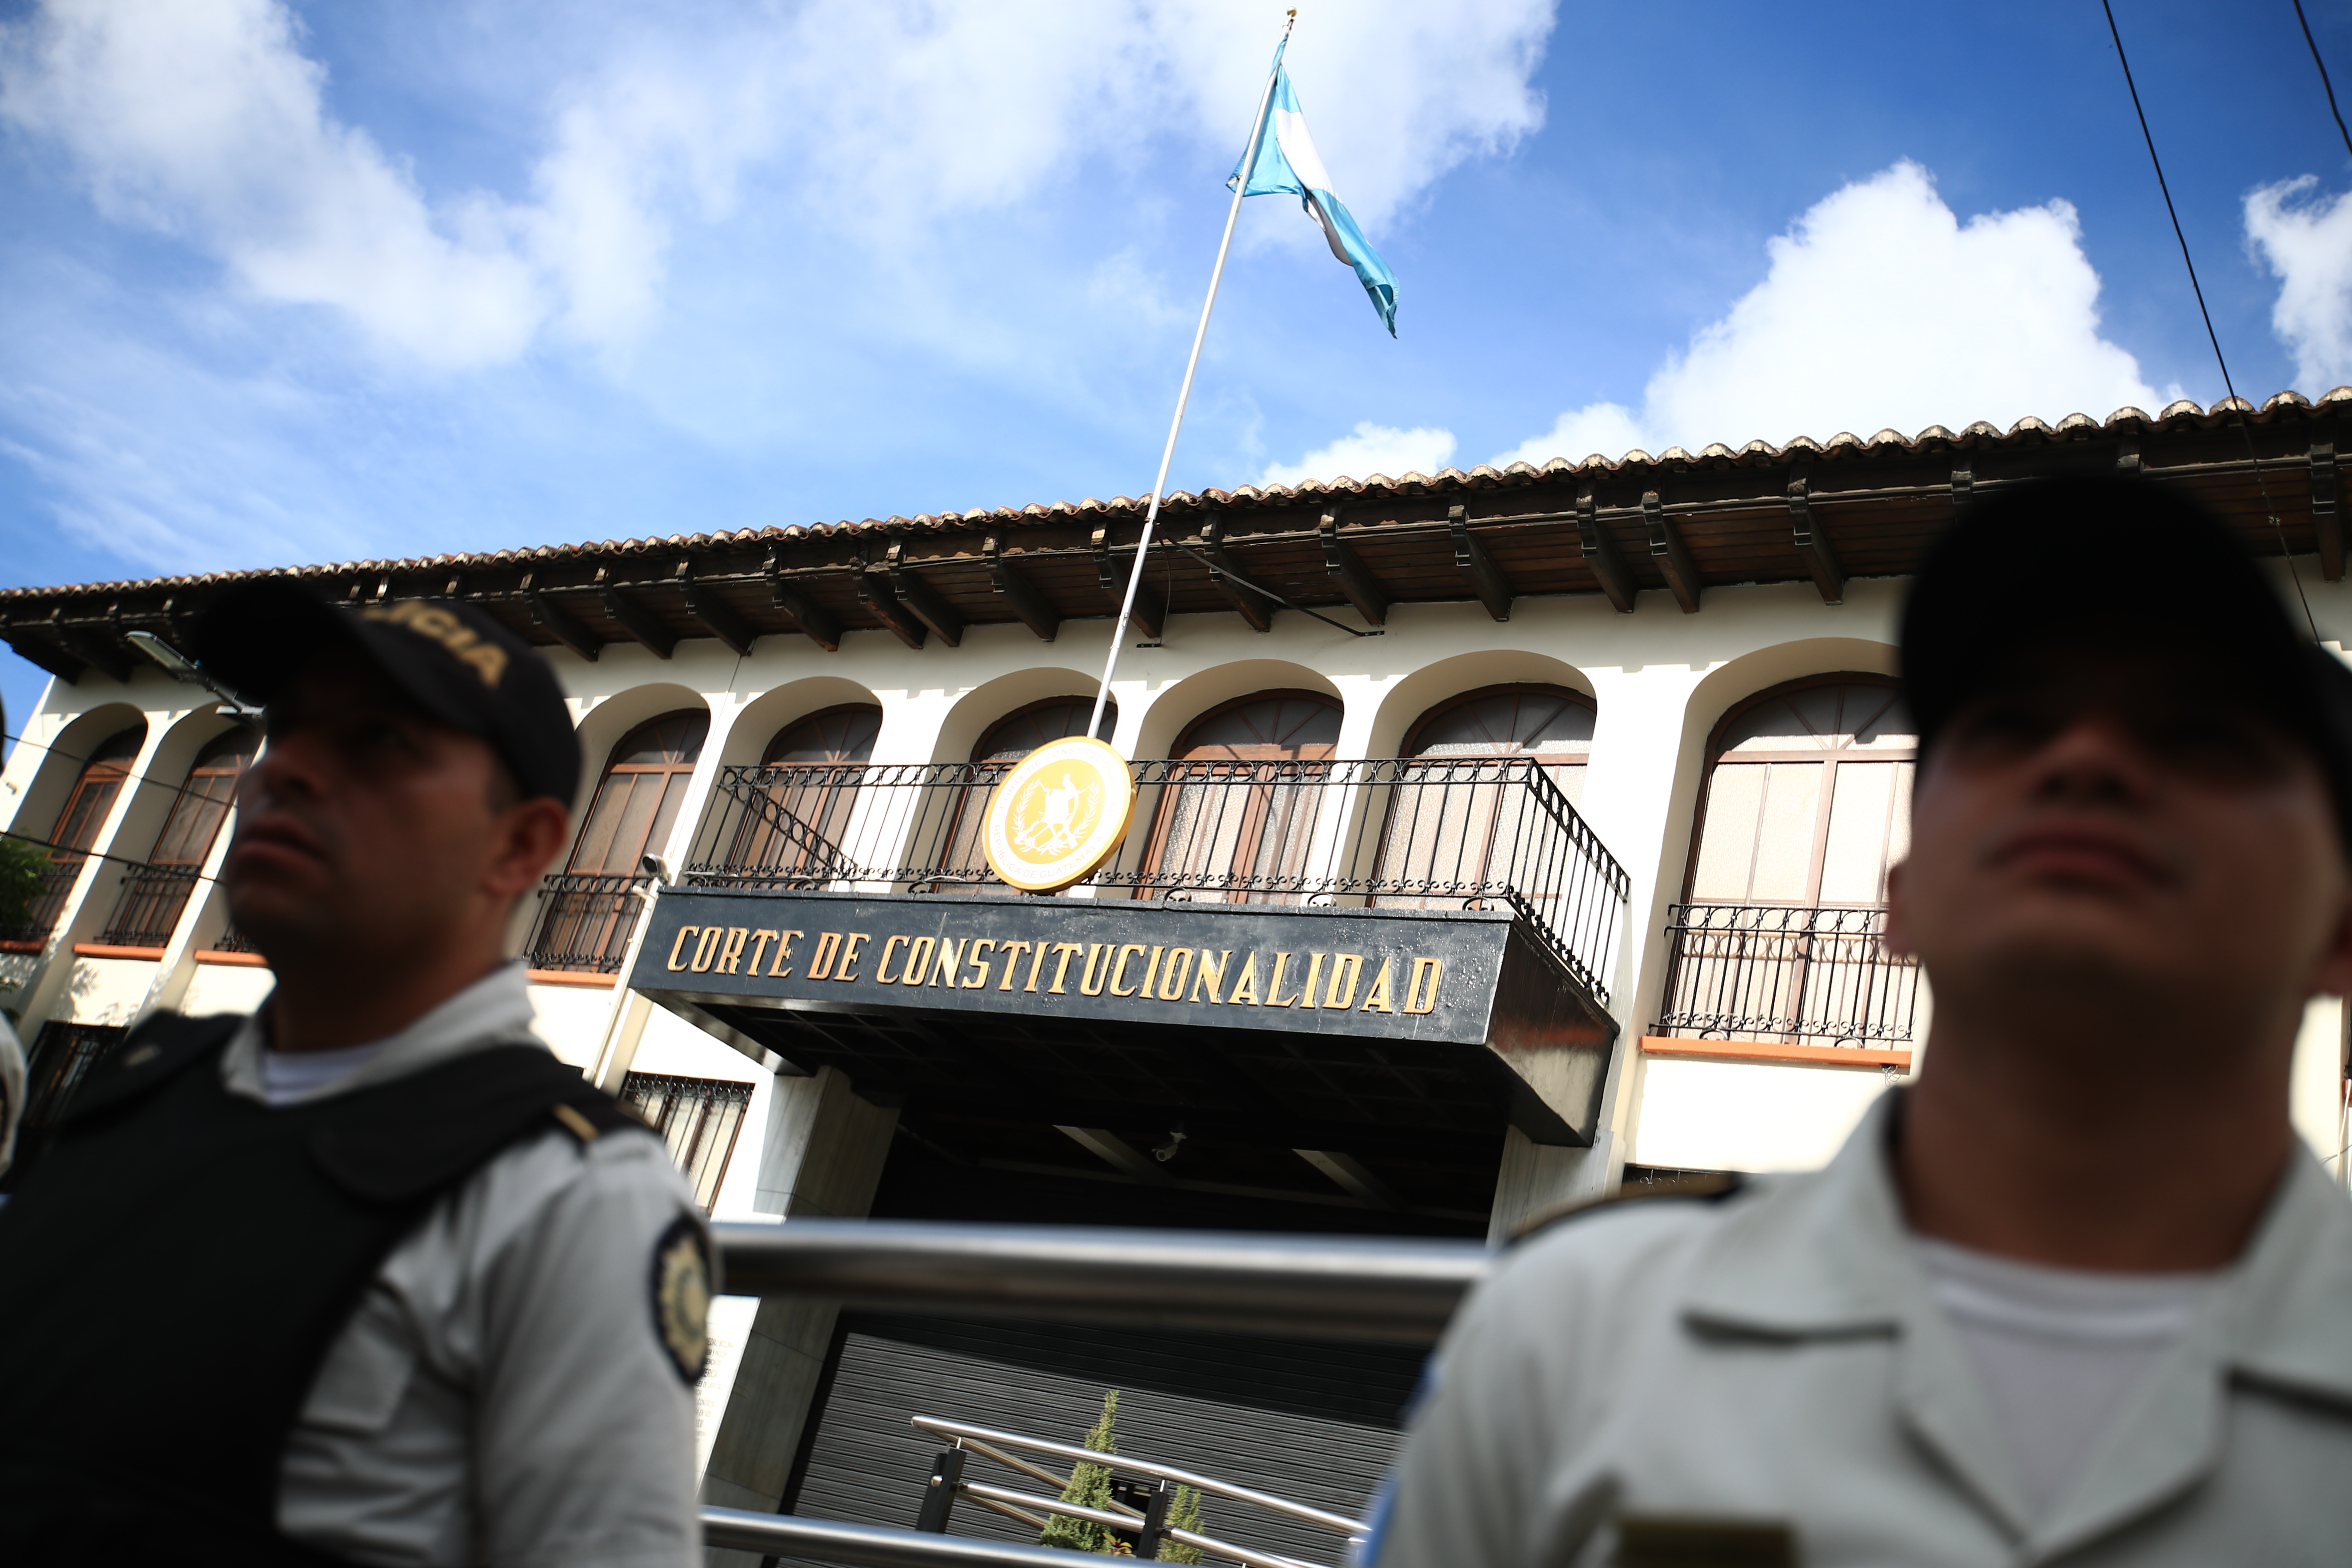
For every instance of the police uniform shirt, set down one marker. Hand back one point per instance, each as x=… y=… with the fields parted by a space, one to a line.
x=515 y=1386
x=1768 y=1377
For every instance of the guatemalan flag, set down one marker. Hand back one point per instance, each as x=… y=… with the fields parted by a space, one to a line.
x=1285 y=163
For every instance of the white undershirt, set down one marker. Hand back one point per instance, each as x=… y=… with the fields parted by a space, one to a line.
x=2060 y=1350
x=287 y=1076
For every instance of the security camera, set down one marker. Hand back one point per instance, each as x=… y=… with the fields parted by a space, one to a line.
x=654 y=866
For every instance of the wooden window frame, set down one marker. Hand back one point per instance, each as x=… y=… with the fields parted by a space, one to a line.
x=1503 y=689
x=767 y=752
x=1825 y=759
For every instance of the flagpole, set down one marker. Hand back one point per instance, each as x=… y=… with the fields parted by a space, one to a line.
x=1184 y=395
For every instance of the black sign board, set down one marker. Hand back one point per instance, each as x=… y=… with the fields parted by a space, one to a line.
x=1470 y=978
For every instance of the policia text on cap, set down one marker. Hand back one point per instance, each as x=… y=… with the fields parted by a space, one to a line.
x=2076 y=1295
x=369 y=1277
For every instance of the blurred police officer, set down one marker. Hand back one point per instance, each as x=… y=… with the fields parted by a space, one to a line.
x=2076 y=1295
x=370 y=1276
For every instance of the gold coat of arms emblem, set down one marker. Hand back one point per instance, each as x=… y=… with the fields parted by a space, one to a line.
x=1059 y=813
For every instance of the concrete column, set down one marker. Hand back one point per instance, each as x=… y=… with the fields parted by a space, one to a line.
x=822 y=1160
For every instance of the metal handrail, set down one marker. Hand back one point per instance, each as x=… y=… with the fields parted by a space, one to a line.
x=865 y=1545
x=1337 y=1522
x=1794 y=971
x=1397 y=1290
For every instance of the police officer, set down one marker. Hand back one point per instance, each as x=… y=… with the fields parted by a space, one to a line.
x=2078 y=1294
x=368 y=1277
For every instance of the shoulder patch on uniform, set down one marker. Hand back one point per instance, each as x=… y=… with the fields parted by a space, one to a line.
x=1665 y=1541
x=1709 y=1188
x=681 y=1285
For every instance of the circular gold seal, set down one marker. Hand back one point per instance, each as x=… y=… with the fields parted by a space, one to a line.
x=1059 y=813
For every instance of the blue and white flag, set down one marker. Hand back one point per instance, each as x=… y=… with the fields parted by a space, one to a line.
x=1285 y=163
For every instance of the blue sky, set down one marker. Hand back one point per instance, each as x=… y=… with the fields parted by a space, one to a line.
x=288 y=283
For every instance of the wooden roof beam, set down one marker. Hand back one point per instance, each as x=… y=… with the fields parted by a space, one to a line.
x=716 y=615
x=873 y=592
x=1486 y=579
x=1240 y=590
x=922 y=598
x=1813 y=545
x=1672 y=556
x=1348 y=1173
x=1600 y=553
x=1118 y=1153
x=2326 y=521
x=561 y=624
x=96 y=650
x=819 y=627
x=1356 y=580
x=635 y=618
x=1150 y=610
x=48 y=655
x=1024 y=598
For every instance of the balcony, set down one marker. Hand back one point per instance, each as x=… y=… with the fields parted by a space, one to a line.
x=1485 y=833
x=47 y=904
x=148 y=909
x=1787 y=975
x=585 y=922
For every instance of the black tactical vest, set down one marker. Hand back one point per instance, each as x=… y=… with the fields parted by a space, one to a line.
x=175 y=1264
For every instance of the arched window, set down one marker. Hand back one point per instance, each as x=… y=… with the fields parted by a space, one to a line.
x=1808 y=802
x=104 y=770
x=588 y=910
x=1553 y=724
x=964 y=857
x=1466 y=809
x=1808 y=795
x=801 y=798
x=1237 y=814
x=637 y=799
x=156 y=894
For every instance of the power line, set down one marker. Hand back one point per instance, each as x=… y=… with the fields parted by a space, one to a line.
x=2236 y=406
x=2326 y=85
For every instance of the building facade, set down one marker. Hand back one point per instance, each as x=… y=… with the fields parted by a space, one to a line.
x=1500 y=837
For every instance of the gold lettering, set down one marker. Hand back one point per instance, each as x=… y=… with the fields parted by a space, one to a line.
x=706 y=950
x=882 y=975
x=951 y=959
x=683 y=932
x=759 y=941
x=1061 y=967
x=1377 y=1000
x=1274 y=986
x=1150 y=972
x=489 y=662
x=1039 y=962
x=783 y=952
x=1098 y=968
x=730 y=957
x=1245 y=987
x=1314 y=974
x=1214 y=978
x=1351 y=964
x=1172 y=978
x=919 y=958
x=1126 y=950
x=1415 y=1001
x=979 y=982
x=1013 y=952
x=828 y=950
x=849 y=954
x=440 y=626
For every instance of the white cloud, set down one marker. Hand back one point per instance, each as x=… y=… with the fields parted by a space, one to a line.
x=1371 y=450
x=873 y=118
x=203 y=119
x=1882 y=308
x=2309 y=246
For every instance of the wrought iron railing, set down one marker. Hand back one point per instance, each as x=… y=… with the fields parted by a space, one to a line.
x=586 y=922
x=1450 y=833
x=47 y=903
x=148 y=909
x=1786 y=974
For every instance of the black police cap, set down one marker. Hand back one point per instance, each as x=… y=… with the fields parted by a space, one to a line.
x=456 y=663
x=2129 y=562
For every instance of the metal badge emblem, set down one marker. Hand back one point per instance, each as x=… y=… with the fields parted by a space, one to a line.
x=1059 y=813
x=682 y=1282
